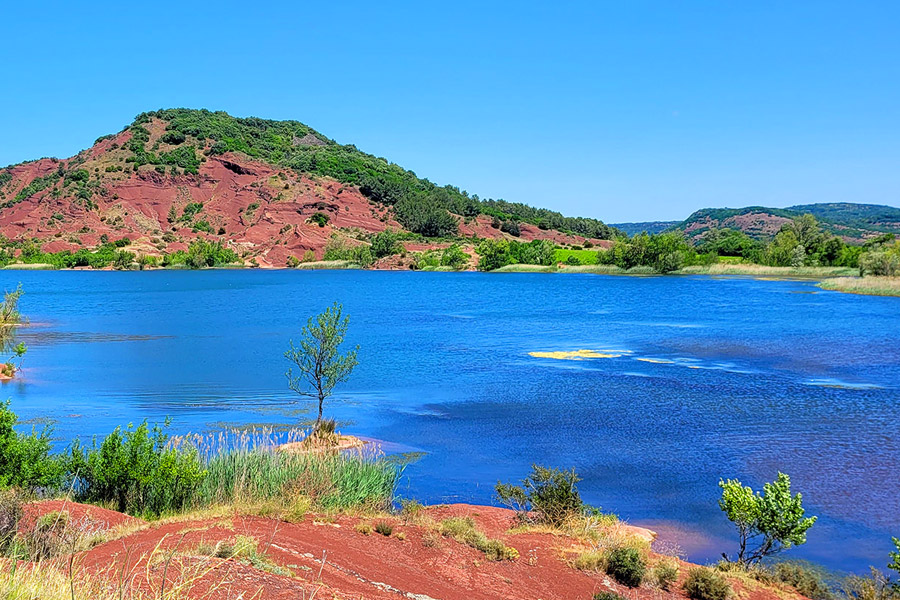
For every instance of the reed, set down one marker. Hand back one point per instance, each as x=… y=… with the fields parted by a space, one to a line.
x=873 y=286
x=246 y=467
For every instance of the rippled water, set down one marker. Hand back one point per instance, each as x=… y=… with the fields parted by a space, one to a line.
x=700 y=378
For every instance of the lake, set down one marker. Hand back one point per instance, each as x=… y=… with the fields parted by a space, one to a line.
x=706 y=378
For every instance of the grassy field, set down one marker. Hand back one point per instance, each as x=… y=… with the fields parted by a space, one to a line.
x=873 y=286
x=585 y=257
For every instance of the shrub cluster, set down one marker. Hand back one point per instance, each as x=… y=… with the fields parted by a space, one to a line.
x=463 y=529
x=548 y=496
x=705 y=584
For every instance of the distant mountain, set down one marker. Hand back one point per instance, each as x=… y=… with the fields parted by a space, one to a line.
x=855 y=223
x=271 y=190
x=648 y=226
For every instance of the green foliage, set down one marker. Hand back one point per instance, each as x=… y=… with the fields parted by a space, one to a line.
x=705 y=584
x=728 y=242
x=419 y=205
x=191 y=210
x=386 y=243
x=547 y=496
x=806 y=578
x=38 y=184
x=665 y=574
x=627 y=566
x=319 y=218
x=881 y=260
x=581 y=257
x=547 y=219
x=607 y=596
x=137 y=470
x=25 y=460
x=336 y=481
x=773 y=520
x=202 y=254
x=663 y=252
x=454 y=257
x=496 y=253
x=320 y=365
x=894 y=557
x=9 y=309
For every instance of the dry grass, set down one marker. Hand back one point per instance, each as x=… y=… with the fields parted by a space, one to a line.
x=764 y=271
x=873 y=286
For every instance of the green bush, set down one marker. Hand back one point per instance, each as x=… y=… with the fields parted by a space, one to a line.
x=385 y=243
x=25 y=460
x=385 y=529
x=665 y=574
x=607 y=596
x=550 y=494
x=319 y=218
x=627 y=566
x=705 y=584
x=136 y=470
x=453 y=256
x=806 y=578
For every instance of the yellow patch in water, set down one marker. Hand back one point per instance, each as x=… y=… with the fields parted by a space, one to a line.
x=656 y=361
x=573 y=355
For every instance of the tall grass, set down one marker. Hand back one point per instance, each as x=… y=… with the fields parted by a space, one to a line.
x=248 y=467
x=764 y=271
x=874 y=286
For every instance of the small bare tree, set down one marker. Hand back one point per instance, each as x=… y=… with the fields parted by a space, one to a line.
x=319 y=364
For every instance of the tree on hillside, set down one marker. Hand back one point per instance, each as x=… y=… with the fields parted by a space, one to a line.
x=319 y=364
x=772 y=521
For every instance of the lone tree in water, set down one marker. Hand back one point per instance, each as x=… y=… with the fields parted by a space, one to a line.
x=319 y=365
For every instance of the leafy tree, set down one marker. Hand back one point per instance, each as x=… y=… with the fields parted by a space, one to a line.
x=318 y=361
x=453 y=256
x=771 y=522
x=494 y=254
x=385 y=243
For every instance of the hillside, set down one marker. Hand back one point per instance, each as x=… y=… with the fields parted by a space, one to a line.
x=270 y=190
x=855 y=223
x=236 y=554
x=648 y=226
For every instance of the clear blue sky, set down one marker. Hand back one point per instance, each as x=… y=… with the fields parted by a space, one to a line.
x=617 y=110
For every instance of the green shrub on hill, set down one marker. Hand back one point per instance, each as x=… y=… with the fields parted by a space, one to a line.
x=137 y=471
x=25 y=460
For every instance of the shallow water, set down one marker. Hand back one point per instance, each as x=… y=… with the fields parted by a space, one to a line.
x=692 y=379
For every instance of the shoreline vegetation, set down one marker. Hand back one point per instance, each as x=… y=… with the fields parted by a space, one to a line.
x=801 y=250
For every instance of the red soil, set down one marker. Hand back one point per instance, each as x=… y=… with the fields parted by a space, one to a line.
x=261 y=210
x=328 y=557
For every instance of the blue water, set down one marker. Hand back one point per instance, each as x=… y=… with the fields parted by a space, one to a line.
x=750 y=377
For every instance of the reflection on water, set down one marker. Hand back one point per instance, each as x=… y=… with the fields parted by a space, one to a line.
x=721 y=378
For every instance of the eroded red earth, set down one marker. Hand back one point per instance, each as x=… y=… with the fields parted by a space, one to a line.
x=327 y=557
x=259 y=210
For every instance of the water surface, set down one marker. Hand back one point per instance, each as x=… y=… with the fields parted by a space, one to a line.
x=700 y=378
